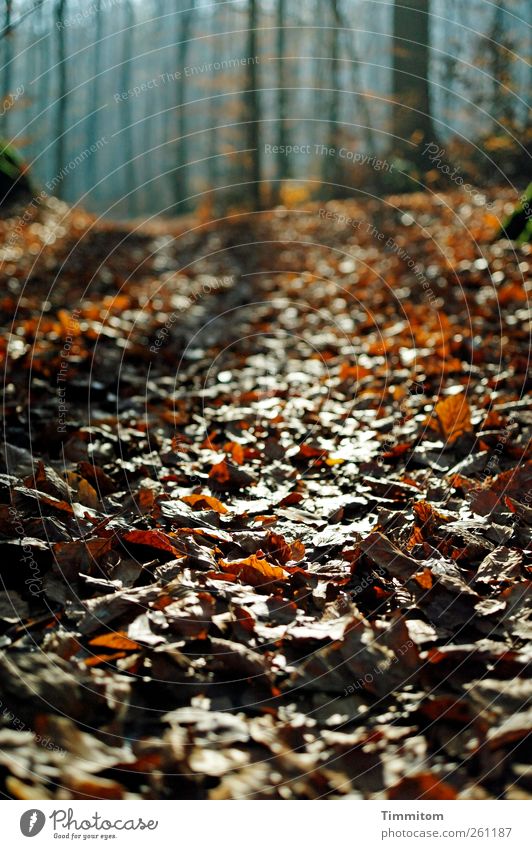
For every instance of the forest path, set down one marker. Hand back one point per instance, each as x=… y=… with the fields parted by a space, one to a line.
x=264 y=505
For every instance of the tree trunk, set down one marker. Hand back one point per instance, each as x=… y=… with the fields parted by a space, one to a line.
x=92 y=129
x=283 y=134
x=412 y=120
x=7 y=57
x=253 y=107
x=332 y=163
x=61 y=128
x=500 y=46
x=186 y=19
x=127 y=110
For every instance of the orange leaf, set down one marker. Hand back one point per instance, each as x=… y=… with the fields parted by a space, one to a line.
x=355 y=372
x=424 y=579
x=254 y=571
x=453 y=416
x=220 y=472
x=291 y=498
x=237 y=452
x=204 y=502
x=152 y=539
x=115 y=640
x=282 y=551
x=96 y=659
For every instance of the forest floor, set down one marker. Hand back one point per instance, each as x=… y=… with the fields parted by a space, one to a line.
x=265 y=505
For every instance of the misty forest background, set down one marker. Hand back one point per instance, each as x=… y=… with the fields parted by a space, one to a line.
x=182 y=100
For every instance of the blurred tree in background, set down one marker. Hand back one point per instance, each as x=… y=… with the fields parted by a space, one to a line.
x=163 y=106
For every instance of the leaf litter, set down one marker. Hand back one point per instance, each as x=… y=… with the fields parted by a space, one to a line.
x=272 y=541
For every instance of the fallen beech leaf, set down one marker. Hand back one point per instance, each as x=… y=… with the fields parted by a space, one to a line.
x=397 y=450
x=292 y=498
x=254 y=571
x=236 y=451
x=453 y=418
x=424 y=579
x=87 y=495
x=282 y=551
x=310 y=452
x=383 y=552
x=220 y=473
x=226 y=477
x=97 y=659
x=153 y=539
x=115 y=640
x=204 y=502
x=427 y=520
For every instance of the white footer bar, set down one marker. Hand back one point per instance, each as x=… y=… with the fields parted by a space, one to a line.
x=282 y=825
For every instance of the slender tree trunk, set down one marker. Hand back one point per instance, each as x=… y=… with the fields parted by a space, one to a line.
x=412 y=117
x=8 y=57
x=363 y=107
x=186 y=19
x=283 y=135
x=92 y=130
x=128 y=46
x=60 y=129
x=332 y=163
x=318 y=131
x=502 y=102
x=253 y=107
x=214 y=141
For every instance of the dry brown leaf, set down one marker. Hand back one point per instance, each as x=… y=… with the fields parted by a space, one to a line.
x=452 y=418
x=204 y=502
x=254 y=571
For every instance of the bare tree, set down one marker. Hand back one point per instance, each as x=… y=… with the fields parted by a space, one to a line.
x=412 y=117
x=92 y=130
x=252 y=106
x=128 y=47
x=332 y=165
x=500 y=47
x=61 y=123
x=283 y=134
x=185 y=25
x=7 y=58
